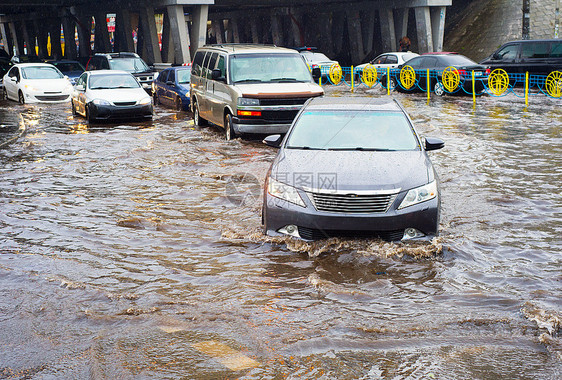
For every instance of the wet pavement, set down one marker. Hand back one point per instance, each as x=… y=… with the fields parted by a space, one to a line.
x=135 y=251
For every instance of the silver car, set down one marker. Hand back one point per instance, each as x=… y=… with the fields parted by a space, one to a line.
x=110 y=95
x=250 y=88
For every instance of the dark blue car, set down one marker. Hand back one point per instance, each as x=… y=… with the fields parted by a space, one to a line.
x=171 y=87
x=72 y=69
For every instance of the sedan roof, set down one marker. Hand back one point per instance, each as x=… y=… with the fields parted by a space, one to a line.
x=356 y=103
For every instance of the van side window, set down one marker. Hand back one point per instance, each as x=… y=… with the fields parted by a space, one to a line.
x=197 y=63
x=205 y=66
x=556 y=50
x=535 y=50
x=221 y=66
x=508 y=53
x=211 y=64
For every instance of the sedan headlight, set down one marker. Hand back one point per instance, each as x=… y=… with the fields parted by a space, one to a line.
x=248 y=102
x=419 y=195
x=145 y=101
x=31 y=88
x=101 y=102
x=285 y=192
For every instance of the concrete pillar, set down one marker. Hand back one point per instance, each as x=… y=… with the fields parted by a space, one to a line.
x=338 y=25
x=8 y=45
x=179 y=33
x=297 y=29
x=69 y=42
x=54 y=31
x=17 y=38
x=400 y=24
x=223 y=31
x=355 y=36
x=199 y=27
x=124 y=31
x=27 y=33
x=235 y=30
x=150 y=35
x=215 y=25
x=84 y=35
x=167 y=42
x=276 y=32
x=438 y=27
x=423 y=26
x=254 y=31
x=368 y=27
x=101 y=39
x=388 y=33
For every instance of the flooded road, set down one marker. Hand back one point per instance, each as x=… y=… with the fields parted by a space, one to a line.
x=135 y=251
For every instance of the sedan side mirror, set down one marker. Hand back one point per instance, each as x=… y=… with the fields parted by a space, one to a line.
x=80 y=87
x=273 y=140
x=432 y=143
x=170 y=83
x=496 y=56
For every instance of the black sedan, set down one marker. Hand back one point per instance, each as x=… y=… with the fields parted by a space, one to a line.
x=437 y=63
x=352 y=167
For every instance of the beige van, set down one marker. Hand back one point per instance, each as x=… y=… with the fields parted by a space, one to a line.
x=250 y=88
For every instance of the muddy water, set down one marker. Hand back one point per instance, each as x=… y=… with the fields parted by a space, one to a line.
x=126 y=252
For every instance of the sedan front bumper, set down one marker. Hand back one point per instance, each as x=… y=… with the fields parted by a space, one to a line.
x=110 y=112
x=313 y=224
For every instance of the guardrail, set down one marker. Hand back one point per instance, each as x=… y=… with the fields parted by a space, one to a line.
x=450 y=80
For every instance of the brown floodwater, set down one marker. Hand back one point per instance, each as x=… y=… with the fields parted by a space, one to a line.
x=134 y=251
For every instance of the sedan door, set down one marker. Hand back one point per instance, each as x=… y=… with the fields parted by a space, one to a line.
x=11 y=83
x=79 y=95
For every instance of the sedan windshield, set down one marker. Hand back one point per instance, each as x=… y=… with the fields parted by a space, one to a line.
x=41 y=72
x=352 y=130
x=184 y=76
x=132 y=65
x=273 y=68
x=99 y=82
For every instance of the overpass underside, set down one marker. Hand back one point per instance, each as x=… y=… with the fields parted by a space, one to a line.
x=351 y=31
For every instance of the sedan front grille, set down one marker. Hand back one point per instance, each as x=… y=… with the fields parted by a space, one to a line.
x=352 y=203
x=124 y=104
x=51 y=98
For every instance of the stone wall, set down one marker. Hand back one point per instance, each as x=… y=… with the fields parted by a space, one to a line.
x=544 y=18
x=478 y=28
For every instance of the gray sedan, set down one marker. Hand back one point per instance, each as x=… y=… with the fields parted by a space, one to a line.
x=352 y=167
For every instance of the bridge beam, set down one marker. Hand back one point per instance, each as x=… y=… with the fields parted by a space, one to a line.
x=179 y=34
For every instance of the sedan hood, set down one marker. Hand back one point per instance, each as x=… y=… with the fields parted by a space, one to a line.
x=118 y=94
x=353 y=170
x=279 y=90
x=48 y=85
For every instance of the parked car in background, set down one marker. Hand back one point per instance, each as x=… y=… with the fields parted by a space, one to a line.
x=72 y=69
x=387 y=60
x=110 y=95
x=26 y=59
x=533 y=56
x=352 y=166
x=35 y=83
x=437 y=63
x=129 y=62
x=171 y=87
x=316 y=59
x=247 y=88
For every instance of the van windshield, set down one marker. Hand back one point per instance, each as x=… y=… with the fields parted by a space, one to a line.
x=272 y=68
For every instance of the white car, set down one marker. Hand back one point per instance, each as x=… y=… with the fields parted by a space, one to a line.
x=110 y=95
x=36 y=83
x=382 y=62
x=315 y=59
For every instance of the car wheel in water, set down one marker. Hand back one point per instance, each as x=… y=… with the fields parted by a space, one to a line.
x=21 y=98
x=4 y=94
x=87 y=114
x=197 y=120
x=74 y=113
x=155 y=98
x=228 y=129
x=177 y=103
x=438 y=89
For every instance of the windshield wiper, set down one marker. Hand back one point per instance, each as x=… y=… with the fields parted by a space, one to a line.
x=100 y=88
x=248 y=80
x=304 y=148
x=285 y=80
x=365 y=149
